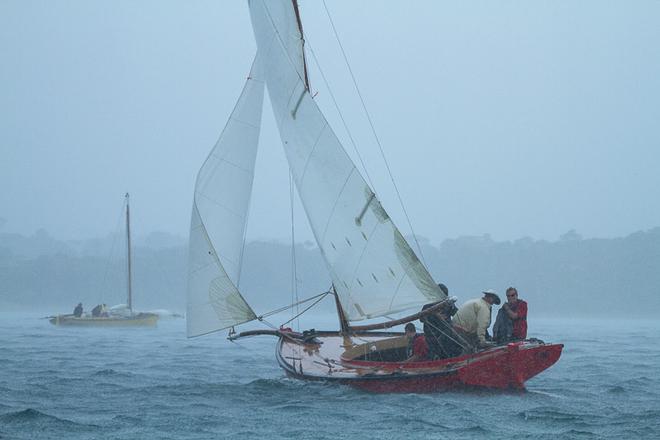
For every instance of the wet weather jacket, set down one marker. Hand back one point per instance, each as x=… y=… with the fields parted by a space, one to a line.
x=473 y=318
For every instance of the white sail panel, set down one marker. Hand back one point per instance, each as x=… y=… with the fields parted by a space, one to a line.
x=374 y=270
x=219 y=215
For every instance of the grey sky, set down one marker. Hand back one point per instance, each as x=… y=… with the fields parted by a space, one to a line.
x=513 y=118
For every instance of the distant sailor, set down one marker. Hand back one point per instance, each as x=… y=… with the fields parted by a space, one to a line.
x=473 y=318
x=78 y=311
x=96 y=311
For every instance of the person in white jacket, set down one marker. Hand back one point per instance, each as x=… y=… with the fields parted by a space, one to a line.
x=473 y=318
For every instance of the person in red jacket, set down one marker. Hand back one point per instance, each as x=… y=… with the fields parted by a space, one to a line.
x=516 y=309
x=417 y=349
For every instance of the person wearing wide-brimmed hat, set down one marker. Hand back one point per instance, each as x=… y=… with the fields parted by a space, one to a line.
x=473 y=318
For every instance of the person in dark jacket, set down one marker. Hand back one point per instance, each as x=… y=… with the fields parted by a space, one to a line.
x=96 y=311
x=78 y=311
x=440 y=335
x=442 y=340
x=503 y=327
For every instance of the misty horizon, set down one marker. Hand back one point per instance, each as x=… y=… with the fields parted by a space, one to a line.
x=569 y=277
x=157 y=237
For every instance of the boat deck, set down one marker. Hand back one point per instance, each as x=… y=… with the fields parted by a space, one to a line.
x=139 y=320
x=375 y=362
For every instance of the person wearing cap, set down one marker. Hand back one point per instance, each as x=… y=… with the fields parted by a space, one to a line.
x=473 y=318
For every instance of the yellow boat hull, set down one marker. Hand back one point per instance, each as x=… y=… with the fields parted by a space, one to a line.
x=139 y=320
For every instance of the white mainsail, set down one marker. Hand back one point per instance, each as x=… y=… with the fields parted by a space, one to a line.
x=374 y=270
x=219 y=214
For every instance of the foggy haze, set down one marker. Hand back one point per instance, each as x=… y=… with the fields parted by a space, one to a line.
x=522 y=137
x=569 y=277
x=513 y=119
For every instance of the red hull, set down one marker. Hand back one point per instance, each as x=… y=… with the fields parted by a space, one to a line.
x=503 y=367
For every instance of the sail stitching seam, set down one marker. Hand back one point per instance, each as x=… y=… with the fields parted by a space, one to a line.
x=221 y=159
x=334 y=206
x=249 y=124
x=311 y=153
x=215 y=202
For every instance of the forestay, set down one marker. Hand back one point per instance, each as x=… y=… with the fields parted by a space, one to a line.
x=219 y=214
x=374 y=270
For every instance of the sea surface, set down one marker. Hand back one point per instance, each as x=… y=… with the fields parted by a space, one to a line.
x=143 y=383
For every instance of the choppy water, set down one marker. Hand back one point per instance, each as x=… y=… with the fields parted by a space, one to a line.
x=154 y=383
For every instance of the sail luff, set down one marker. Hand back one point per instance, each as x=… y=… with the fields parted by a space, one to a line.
x=374 y=270
x=223 y=189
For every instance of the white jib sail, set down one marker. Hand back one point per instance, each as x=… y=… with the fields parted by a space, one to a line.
x=374 y=270
x=219 y=214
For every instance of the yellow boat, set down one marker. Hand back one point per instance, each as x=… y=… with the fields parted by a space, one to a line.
x=137 y=320
x=124 y=318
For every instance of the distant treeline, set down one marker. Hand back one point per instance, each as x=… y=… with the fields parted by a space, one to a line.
x=569 y=277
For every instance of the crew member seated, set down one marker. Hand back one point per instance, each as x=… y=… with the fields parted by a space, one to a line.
x=78 y=311
x=104 y=311
x=417 y=349
x=96 y=311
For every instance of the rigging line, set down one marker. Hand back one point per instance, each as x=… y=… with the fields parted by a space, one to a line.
x=460 y=341
x=341 y=117
x=165 y=276
x=373 y=130
x=272 y=326
x=310 y=306
x=294 y=278
x=112 y=247
x=235 y=342
x=245 y=228
x=281 y=309
x=244 y=347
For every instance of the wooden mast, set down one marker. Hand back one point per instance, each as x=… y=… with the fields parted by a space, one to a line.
x=128 y=253
x=302 y=37
x=343 y=322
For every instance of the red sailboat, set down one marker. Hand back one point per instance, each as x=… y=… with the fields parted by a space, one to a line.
x=375 y=272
